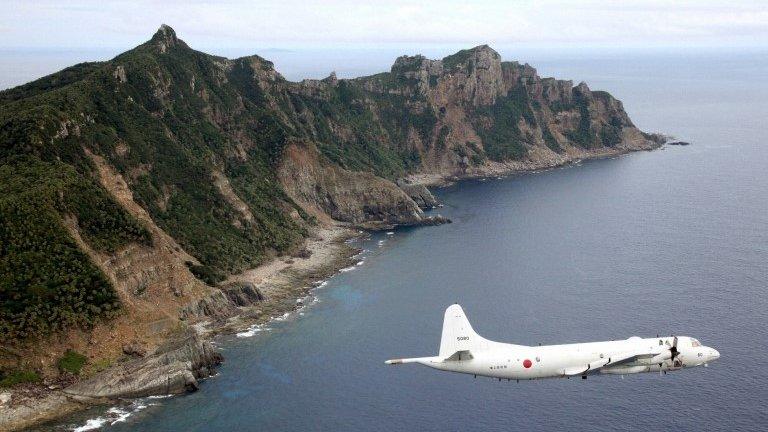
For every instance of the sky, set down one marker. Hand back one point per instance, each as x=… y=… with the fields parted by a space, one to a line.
x=243 y=25
x=308 y=39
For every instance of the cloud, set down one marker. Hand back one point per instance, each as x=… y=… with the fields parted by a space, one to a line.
x=243 y=24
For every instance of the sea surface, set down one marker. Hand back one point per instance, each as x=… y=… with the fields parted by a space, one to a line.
x=673 y=241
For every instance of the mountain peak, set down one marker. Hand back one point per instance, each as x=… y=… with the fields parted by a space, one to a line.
x=484 y=48
x=479 y=54
x=165 y=37
x=166 y=32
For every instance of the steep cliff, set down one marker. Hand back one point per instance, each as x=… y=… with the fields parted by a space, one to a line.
x=132 y=187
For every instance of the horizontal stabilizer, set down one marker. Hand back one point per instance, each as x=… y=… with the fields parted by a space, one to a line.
x=460 y=355
x=420 y=360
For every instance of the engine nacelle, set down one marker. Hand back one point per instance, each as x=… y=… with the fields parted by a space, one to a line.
x=624 y=370
x=661 y=358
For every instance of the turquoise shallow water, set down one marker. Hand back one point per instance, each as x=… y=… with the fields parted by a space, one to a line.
x=672 y=242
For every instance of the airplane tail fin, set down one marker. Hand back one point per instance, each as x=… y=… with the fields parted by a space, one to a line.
x=456 y=344
x=458 y=334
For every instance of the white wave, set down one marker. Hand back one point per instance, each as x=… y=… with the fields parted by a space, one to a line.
x=346 y=269
x=359 y=263
x=390 y=233
x=251 y=331
x=121 y=415
x=282 y=317
x=91 y=424
x=116 y=415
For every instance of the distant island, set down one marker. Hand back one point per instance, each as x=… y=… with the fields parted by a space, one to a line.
x=153 y=200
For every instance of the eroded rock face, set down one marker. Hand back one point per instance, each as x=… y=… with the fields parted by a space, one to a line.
x=488 y=111
x=243 y=294
x=419 y=194
x=174 y=368
x=134 y=348
x=222 y=303
x=348 y=196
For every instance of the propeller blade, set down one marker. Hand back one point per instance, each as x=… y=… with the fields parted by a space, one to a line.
x=673 y=351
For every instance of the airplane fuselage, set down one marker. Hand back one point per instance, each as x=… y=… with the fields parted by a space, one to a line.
x=520 y=362
x=464 y=351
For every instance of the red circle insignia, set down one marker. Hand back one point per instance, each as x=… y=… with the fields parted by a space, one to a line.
x=527 y=363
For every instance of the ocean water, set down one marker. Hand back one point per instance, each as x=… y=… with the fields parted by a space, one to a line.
x=673 y=241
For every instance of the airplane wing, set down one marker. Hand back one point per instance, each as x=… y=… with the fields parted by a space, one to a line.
x=605 y=362
x=588 y=368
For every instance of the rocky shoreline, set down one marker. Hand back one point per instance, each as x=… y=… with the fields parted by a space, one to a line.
x=188 y=356
x=255 y=170
x=495 y=169
x=245 y=301
x=250 y=299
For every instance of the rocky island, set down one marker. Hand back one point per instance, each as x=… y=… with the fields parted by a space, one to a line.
x=150 y=201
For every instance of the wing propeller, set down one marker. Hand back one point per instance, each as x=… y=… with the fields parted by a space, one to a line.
x=673 y=353
x=674 y=350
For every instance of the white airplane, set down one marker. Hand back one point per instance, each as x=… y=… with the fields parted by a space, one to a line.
x=464 y=351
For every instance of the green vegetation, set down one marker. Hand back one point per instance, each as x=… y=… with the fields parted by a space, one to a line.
x=51 y=82
x=442 y=136
x=72 y=362
x=175 y=123
x=100 y=365
x=453 y=61
x=504 y=140
x=584 y=136
x=377 y=146
x=46 y=282
x=610 y=135
x=158 y=129
x=549 y=139
x=18 y=377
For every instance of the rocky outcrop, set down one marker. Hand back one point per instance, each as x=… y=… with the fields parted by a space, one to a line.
x=243 y=293
x=359 y=198
x=489 y=111
x=222 y=303
x=419 y=194
x=173 y=368
x=215 y=306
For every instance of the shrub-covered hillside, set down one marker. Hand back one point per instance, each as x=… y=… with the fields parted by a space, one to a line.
x=199 y=140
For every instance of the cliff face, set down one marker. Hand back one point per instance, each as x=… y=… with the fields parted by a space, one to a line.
x=131 y=187
x=487 y=111
x=348 y=196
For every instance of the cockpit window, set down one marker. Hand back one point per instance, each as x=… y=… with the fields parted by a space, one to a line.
x=695 y=343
